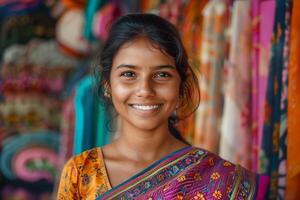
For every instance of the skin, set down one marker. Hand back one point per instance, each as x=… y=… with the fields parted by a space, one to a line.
x=141 y=75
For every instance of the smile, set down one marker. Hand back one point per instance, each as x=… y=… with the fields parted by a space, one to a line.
x=145 y=107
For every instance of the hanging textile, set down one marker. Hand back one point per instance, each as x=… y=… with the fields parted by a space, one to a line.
x=273 y=154
x=281 y=182
x=208 y=115
x=236 y=114
x=68 y=112
x=190 y=26
x=87 y=121
x=255 y=17
x=90 y=11
x=189 y=18
x=83 y=109
x=103 y=18
x=148 y=5
x=74 y=4
x=67 y=131
x=262 y=28
x=102 y=124
x=293 y=137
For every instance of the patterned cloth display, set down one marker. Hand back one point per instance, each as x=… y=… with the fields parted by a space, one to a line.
x=273 y=154
x=30 y=156
x=189 y=173
x=293 y=136
x=208 y=115
x=33 y=78
x=22 y=20
x=188 y=19
x=32 y=82
x=236 y=112
x=262 y=16
x=239 y=50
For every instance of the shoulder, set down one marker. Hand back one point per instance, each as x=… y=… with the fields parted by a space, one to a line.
x=216 y=162
x=88 y=159
x=213 y=161
x=239 y=182
x=85 y=173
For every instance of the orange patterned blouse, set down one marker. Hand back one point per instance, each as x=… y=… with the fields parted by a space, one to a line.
x=84 y=177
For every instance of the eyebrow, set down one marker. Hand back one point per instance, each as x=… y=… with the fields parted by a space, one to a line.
x=155 y=67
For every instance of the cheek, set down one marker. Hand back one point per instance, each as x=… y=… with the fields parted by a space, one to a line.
x=170 y=92
x=119 y=92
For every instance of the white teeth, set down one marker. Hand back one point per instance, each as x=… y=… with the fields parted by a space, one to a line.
x=141 y=107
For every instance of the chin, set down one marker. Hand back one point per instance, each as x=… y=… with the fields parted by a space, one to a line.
x=147 y=125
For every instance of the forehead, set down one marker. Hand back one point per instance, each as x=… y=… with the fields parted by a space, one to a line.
x=142 y=51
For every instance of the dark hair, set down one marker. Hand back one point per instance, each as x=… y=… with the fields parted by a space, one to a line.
x=164 y=35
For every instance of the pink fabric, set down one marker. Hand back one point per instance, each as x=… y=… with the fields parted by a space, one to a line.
x=23 y=157
x=104 y=18
x=263 y=184
x=254 y=72
x=267 y=12
x=262 y=14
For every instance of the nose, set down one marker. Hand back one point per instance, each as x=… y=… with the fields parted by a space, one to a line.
x=145 y=88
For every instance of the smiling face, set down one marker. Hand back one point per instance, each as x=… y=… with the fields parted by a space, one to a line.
x=144 y=85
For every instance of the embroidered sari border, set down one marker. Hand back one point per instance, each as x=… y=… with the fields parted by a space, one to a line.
x=159 y=166
x=254 y=188
x=149 y=170
x=238 y=185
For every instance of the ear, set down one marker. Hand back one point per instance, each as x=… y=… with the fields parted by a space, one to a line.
x=106 y=89
x=106 y=85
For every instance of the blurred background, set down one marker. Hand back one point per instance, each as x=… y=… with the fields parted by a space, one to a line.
x=244 y=52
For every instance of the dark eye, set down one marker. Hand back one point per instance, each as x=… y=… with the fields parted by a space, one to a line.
x=128 y=74
x=162 y=75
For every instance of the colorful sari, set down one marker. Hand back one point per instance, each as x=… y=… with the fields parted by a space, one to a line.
x=189 y=173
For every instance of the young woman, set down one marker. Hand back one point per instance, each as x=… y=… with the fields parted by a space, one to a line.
x=145 y=75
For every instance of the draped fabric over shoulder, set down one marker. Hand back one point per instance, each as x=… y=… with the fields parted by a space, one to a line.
x=189 y=173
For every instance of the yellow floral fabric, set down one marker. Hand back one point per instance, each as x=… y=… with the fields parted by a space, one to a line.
x=84 y=177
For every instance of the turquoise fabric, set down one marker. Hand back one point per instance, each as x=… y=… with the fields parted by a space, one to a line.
x=102 y=124
x=90 y=118
x=273 y=154
x=82 y=108
x=92 y=7
x=15 y=144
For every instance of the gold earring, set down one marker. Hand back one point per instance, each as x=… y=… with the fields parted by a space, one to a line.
x=106 y=93
x=175 y=111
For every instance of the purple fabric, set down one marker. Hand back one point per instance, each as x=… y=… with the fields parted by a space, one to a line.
x=267 y=12
x=191 y=173
x=254 y=82
x=262 y=187
x=262 y=13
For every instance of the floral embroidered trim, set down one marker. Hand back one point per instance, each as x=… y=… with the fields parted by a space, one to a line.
x=160 y=175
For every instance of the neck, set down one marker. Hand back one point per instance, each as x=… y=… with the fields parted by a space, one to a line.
x=146 y=146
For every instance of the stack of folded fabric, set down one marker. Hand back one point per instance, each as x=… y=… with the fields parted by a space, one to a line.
x=33 y=77
x=22 y=20
x=30 y=156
